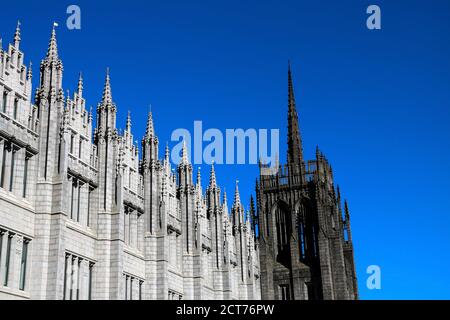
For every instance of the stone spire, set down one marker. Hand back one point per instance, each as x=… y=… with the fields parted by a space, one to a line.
x=30 y=72
x=107 y=96
x=80 y=85
x=347 y=213
x=212 y=177
x=17 y=35
x=237 y=197
x=149 y=131
x=167 y=153
x=184 y=154
x=225 y=202
x=199 y=179
x=294 y=139
x=128 y=124
x=52 y=52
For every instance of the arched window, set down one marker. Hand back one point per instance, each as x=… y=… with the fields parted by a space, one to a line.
x=282 y=224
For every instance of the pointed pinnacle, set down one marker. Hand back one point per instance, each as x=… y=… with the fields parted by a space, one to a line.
x=52 y=52
x=237 y=197
x=149 y=131
x=212 y=176
x=107 y=95
x=17 y=33
x=184 y=156
x=80 y=85
x=128 y=124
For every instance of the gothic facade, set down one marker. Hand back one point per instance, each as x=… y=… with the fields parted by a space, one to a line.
x=305 y=241
x=84 y=216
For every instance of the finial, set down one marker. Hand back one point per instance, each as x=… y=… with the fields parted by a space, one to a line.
x=184 y=156
x=224 y=196
x=80 y=85
x=347 y=213
x=149 y=131
x=167 y=152
x=17 y=35
x=199 y=178
x=30 y=72
x=237 y=197
x=52 y=52
x=128 y=124
x=212 y=177
x=107 y=95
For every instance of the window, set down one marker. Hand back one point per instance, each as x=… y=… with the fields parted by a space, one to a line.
x=23 y=264
x=91 y=266
x=71 y=180
x=78 y=202
x=89 y=205
x=11 y=177
x=126 y=287
x=5 y=101
x=78 y=279
x=16 y=107
x=80 y=147
x=129 y=286
x=71 y=144
x=2 y=178
x=25 y=176
x=284 y=292
x=7 y=259
x=77 y=271
x=172 y=295
x=65 y=277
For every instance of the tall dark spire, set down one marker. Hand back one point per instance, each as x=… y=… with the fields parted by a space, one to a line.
x=294 y=140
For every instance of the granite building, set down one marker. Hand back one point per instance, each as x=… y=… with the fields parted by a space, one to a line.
x=305 y=241
x=83 y=215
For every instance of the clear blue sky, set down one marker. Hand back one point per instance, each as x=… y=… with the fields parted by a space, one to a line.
x=376 y=102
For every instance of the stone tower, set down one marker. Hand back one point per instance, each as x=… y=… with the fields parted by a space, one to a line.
x=305 y=242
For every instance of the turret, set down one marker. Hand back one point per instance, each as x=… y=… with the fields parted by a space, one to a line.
x=150 y=142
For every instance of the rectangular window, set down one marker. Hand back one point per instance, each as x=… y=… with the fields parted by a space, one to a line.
x=23 y=265
x=140 y=290
x=78 y=279
x=78 y=202
x=16 y=107
x=65 y=277
x=80 y=147
x=131 y=288
x=2 y=178
x=11 y=177
x=71 y=144
x=71 y=197
x=284 y=292
x=5 y=101
x=71 y=278
x=126 y=287
x=89 y=205
x=91 y=266
x=25 y=176
x=7 y=258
